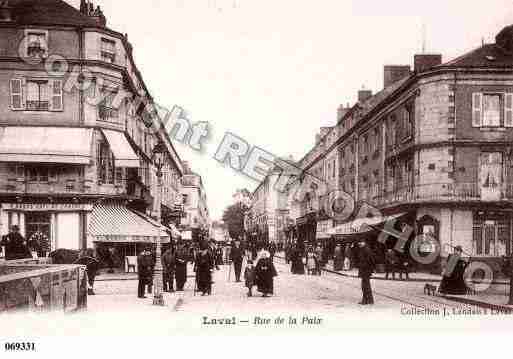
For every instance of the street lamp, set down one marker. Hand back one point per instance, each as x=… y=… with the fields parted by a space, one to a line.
x=158 y=153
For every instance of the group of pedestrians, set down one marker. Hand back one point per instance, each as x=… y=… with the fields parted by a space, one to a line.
x=396 y=263
x=206 y=258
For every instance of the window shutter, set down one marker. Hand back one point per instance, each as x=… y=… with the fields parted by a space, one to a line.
x=508 y=110
x=17 y=102
x=477 y=109
x=56 y=103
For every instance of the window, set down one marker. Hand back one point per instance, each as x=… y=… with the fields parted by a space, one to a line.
x=492 y=110
x=106 y=111
x=108 y=50
x=105 y=164
x=407 y=123
x=37 y=173
x=36 y=43
x=185 y=199
x=37 y=95
x=334 y=169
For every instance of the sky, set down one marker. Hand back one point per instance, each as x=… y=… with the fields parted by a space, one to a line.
x=274 y=71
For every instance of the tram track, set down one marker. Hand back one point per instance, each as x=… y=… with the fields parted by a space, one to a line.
x=332 y=277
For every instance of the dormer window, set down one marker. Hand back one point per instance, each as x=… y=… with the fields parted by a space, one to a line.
x=108 y=50
x=36 y=44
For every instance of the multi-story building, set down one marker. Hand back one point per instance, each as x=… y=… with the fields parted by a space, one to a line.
x=196 y=222
x=434 y=146
x=266 y=218
x=76 y=140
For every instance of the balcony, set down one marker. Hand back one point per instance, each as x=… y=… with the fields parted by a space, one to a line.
x=108 y=114
x=445 y=192
x=38 y=105
x=17 y=186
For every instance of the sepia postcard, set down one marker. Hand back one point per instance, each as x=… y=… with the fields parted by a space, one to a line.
x=238 y=167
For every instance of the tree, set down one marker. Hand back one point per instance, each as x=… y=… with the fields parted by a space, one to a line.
x=233 y=217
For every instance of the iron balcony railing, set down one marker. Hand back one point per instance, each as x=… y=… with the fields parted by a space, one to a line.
x=441 y=192
x=61 y=186
x=38 y=105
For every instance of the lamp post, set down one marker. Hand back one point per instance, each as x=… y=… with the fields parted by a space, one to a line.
x=158 y=157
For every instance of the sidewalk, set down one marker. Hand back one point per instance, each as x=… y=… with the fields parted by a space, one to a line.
x=495 y=298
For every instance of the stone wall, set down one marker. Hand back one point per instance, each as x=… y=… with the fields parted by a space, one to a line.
x=42 y=288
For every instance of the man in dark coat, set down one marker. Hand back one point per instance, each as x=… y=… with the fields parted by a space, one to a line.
x=453 y=281
x=366 y=266
x=181 y=259
x=203 y=266
x=15 y=246
x=145 y=272
x=272 y=250
x=264 y=275
x=237 y=256
x=168 y=270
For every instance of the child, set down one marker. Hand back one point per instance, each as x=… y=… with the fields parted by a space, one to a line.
x=249 y=277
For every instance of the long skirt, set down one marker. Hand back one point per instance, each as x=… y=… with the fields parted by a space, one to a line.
x=265 y=284
x=204 y=280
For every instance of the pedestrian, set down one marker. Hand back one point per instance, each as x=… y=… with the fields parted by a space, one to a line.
x=338 y=259
x=453 y=281
x=391 y=263
x=181 y=259
x=168 y=270
x=366 y=266
x=88 y=258
x=203 y=266
x=237 y=256
x=249 y=277
x=264 y=275
x=15 y=245
x=320 y=254
x=311 y=262
x=144 y=272
x=296 y=258
x=403 y=267
x=272 y=250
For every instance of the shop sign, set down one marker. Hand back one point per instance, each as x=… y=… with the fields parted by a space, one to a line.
x=58 y=207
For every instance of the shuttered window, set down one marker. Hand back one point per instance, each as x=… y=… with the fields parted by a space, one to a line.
x=477 y=105
x=17 y=94
x=508 y=110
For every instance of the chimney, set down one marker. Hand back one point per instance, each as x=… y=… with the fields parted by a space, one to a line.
x=363 y=95
x=424 y=62
x=83 y=7
x=5 y=12
x=342 y=111
x=394 y=73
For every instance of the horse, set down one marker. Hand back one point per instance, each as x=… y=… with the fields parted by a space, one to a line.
x=85 y=257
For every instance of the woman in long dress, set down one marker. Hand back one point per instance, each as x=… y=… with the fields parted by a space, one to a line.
x=453 y=281
x=297 y=266
x=264 y=275
x=182 y=258
x=203 y=266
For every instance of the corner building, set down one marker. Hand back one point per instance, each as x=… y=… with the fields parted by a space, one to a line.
x=80 y=171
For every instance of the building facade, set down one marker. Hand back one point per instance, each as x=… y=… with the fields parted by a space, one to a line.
x=434 y=145
x=76 y=138
x=196 y=222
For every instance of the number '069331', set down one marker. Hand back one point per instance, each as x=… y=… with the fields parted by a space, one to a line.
x=21 y=346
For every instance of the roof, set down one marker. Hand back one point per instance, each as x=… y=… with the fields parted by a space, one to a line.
x=488 y=55
x=48 y=12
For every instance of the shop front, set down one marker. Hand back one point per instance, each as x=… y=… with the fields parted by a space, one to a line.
x=306 y=230
x=48 y=226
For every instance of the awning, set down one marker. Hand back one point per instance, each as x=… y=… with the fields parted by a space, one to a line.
x=45 y=145
x=124 y=155
x=362 y=225
x=116 y=223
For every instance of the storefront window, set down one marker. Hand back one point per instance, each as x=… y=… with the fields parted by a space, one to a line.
x=491 y=234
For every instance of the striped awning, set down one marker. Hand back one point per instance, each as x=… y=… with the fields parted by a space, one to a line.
x=116 y=223
x=45 y=144
x=362 y=225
